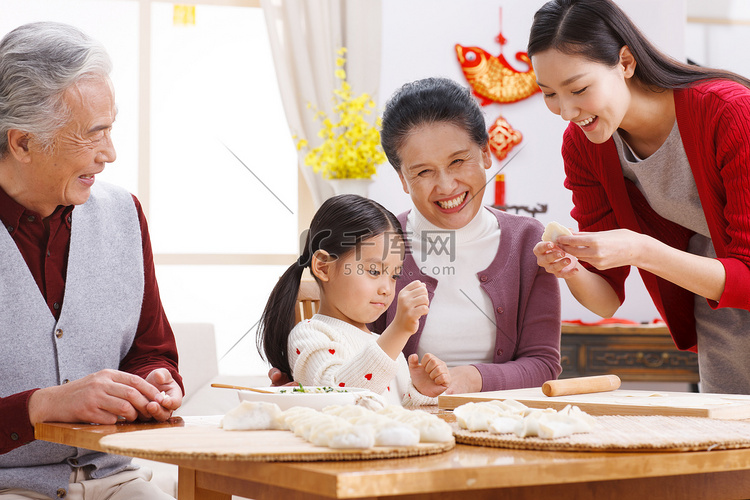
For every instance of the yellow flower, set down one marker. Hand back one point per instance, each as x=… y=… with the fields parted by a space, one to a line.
x=350 y=146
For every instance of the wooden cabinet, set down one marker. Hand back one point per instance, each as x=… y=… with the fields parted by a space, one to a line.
x=634 y=353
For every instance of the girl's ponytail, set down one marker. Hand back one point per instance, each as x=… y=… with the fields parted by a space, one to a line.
x=277 y=319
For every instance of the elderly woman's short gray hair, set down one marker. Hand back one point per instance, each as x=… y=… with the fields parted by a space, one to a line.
x=38 y=63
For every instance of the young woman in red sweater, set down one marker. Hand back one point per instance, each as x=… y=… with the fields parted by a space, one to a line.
x=656 y=156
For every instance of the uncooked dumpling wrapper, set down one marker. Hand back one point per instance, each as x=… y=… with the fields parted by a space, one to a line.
x=554 y=230
x=253 y=416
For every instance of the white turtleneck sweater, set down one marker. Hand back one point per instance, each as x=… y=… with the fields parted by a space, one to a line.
x=459 y=305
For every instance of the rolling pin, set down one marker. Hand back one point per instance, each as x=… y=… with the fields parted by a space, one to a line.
x=581 y=385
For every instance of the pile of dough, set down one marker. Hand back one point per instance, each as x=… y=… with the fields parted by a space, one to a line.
x=509 y=416
x=432 y=429
x=253 y=416
x=554 y=230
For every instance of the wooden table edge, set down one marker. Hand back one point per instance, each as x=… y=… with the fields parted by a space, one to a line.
x=325 y=480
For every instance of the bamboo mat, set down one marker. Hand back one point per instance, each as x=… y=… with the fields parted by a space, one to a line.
x=214 y=443
x=625 y=433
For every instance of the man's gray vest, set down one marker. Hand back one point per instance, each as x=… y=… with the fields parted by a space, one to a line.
x=97 y=325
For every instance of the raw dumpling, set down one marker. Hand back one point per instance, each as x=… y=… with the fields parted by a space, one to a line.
x=388 y=432
x=480 y=416
x=506 y=424
x=354 y=436
x=477 y=416
x=510 y=416
x=554 y=230
x=323 y=430
x=253 y=416
x=371 y=401
x=396 y=435
x=569 y=420
x=432 y=429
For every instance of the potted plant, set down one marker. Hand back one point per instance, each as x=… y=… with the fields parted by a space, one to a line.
x=350 y=152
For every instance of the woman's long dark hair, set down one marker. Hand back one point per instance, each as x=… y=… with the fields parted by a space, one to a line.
x=427 y=101
x=598 y=29
x=339 y=226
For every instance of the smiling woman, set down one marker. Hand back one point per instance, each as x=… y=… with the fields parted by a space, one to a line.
x=495 y=316
x=444 y=172
x=656 y=157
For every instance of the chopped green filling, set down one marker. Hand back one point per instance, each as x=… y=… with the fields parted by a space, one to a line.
x=308 y=390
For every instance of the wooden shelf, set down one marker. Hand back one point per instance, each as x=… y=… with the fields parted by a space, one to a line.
x=634 y=353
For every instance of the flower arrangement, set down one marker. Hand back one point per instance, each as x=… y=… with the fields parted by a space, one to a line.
x=351 y=146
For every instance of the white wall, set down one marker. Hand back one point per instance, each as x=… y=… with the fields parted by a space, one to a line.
x=418 y=41
x=717 y=34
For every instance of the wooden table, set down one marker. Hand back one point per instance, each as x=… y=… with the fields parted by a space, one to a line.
x=482 y=473
x=632 y=352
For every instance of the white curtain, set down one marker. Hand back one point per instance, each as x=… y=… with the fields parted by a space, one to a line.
x=305 y=35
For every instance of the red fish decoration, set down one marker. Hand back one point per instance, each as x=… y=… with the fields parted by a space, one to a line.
x=492 y=79
x=503 y=138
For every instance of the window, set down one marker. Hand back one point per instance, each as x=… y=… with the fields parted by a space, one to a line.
x=202 y=140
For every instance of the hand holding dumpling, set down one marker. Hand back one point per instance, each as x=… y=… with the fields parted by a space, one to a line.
x=551 y=256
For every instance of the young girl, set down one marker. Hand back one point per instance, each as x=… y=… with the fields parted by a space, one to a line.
x=656 y=156
x=354 y=250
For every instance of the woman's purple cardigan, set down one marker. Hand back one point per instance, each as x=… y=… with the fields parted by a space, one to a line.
x=526 y=302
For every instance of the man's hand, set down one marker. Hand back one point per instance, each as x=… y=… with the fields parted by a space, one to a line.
x=103 y=397
x=163 y=405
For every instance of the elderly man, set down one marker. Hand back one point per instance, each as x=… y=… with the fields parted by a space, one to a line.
x=84 y=335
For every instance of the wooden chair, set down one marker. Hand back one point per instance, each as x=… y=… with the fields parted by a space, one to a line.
x=308 y=300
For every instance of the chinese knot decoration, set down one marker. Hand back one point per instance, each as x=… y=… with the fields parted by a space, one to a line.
x=503 y=138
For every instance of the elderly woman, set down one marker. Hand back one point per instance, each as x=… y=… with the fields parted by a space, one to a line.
x=85 y=338
x=494 y=313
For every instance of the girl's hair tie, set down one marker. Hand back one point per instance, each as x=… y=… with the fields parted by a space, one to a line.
x=303 y=261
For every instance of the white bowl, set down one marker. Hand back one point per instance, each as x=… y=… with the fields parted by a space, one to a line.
x=285 y=396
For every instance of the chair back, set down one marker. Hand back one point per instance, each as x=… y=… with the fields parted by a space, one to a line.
x=308 y=300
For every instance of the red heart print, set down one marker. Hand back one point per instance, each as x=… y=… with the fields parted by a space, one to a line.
x=368 y=376
x=342 y=384
x=332 y=351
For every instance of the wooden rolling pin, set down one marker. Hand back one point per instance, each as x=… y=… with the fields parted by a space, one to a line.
x=581 y=385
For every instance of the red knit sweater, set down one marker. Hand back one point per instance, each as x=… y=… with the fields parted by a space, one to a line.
x=714 y=122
